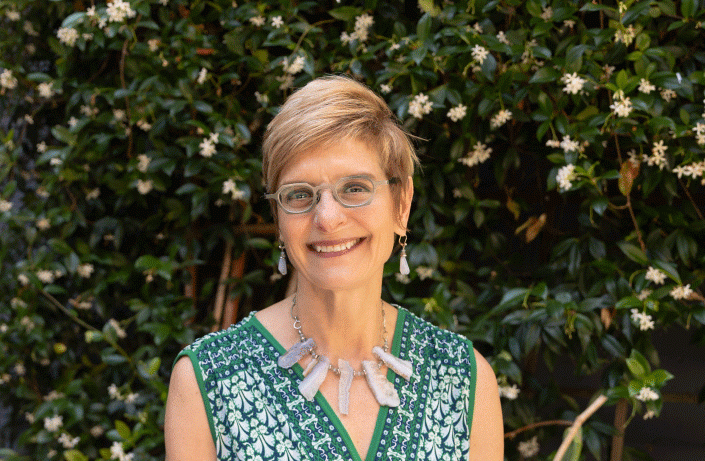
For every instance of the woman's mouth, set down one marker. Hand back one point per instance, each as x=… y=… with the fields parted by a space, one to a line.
x=335 y=248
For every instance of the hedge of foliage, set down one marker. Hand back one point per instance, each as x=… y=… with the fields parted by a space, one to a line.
x=559 y=213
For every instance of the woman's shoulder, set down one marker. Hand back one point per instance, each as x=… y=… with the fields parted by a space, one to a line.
x=235 y=334
x=423 y=330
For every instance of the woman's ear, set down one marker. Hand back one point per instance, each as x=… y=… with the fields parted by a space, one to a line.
x=407 y=195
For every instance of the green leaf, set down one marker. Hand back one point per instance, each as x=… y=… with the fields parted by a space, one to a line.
x=74 y=455
x=688 y=8
x=345 y=13
x=633 y=252
x=545 y=75
x=123 y=429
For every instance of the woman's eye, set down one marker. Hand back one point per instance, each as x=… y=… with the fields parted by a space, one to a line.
x=355 y=187
x=298 y=194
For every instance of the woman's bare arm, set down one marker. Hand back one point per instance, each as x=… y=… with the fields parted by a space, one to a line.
x=187 y=436
x=487 y=432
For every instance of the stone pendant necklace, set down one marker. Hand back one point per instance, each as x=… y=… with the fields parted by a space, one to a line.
x=317 y=370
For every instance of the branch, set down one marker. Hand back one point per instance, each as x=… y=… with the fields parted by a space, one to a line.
x=579 y=421
x=554 y=422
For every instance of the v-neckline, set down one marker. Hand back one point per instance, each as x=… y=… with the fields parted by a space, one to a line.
x=323 y=402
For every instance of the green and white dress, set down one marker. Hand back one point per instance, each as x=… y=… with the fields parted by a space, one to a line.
x=256 y=412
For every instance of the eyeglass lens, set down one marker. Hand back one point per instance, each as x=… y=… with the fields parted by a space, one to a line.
x=350 y=192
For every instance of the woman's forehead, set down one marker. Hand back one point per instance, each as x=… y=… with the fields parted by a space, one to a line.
x=332 y=161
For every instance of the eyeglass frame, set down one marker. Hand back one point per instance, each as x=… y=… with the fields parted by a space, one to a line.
x=276 y=195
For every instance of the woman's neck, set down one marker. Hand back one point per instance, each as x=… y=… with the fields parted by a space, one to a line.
x=344 y=324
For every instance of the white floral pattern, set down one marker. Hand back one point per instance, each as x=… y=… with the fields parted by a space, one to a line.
x=257 y=413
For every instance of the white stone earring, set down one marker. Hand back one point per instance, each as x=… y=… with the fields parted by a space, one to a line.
x=403 y=263
x=282 y=260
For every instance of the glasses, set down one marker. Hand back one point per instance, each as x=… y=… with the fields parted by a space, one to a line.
x=351 y=192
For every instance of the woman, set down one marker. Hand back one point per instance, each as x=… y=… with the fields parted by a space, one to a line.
x=379 y=382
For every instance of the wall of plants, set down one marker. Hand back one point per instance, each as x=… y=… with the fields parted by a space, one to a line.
x=559 y=214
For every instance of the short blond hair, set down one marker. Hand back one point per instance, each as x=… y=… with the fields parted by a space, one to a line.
x=331 y=108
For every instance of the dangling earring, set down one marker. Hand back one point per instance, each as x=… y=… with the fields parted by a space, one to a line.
x=282 y=260
x=403 y=263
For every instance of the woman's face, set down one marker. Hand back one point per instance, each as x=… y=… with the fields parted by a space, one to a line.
x=331 y=246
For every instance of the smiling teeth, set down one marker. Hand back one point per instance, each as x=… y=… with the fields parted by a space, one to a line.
x=334 y=248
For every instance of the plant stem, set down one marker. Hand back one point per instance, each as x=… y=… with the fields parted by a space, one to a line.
x=579 y=421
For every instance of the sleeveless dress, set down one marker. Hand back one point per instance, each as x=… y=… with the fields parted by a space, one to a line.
x=256 y=412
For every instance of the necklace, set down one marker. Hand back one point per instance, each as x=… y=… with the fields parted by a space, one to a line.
x=317 y=370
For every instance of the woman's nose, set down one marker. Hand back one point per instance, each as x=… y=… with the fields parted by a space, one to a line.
x=328 y=213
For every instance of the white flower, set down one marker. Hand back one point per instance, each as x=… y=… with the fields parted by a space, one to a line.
x=258 y=21
x=143 y=161
x=229 y=187
x=625 y=36
x=480 y=153
x=569 y=23
x=646 y=87
x=569 y=145
x=7 y=80
x=5 y=205
x=85 y=270
x=681 y=292
x=277 y=22
x=643 y=294
x=420 y=106
x=93 y=194
x=45 y=276
x=644 y=320
x=659 y=147
x=573 y=83
x=54 y=423
x=622 y=107
x=45 y=89
x=17 y=303
x=29 y=119
x=479 y=53
x=346 y=38
x=295 y=67
x=667 y=95
x=118 y=329
x=502 y=117
x=565 y=176
x=287 y=81
x=96 y=431
x=207 y=148
x=90 y=12
x=20 y=369
x=164 y=2
x=649 y=414
x=646 y=394
x=384 y=88
x=457 y=113
x=119 y=115
x=144 y=125
x=502 y=38
x=402 y=278
x=114 y=392
x=118 y=10
x=547 y=13
x=153 y=44
x=529 y=448
x=363 y=23
x=23 y=279
x=509 y=392
x=424 y=272
x=144 y=187
x=477 y=28
x=43 y=224
x=655 y=275
x=261 y=98
x=202 y=75
x=67 y=35
x=67 y=442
